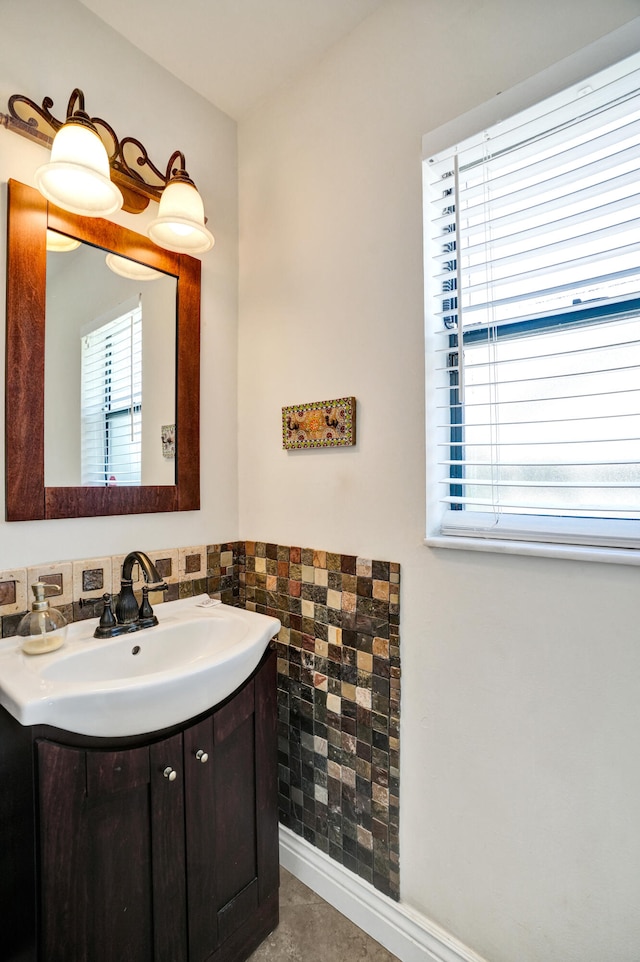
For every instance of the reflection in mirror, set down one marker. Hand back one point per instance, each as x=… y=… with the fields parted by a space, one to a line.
x=110 y=348
x=28 y=496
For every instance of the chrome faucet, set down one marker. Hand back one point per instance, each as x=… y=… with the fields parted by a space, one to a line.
x=128 y=615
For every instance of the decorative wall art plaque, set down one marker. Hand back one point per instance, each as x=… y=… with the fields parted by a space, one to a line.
x=320 y=424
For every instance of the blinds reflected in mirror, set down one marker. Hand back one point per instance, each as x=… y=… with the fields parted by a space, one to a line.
x=111 y=393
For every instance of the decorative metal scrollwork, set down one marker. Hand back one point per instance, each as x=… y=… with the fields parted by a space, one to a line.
x=132 y=170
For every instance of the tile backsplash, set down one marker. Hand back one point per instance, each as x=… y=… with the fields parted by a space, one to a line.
x=187 y=571
x=338 y=675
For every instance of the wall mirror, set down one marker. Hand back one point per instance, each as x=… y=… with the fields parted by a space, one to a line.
x=65 y=458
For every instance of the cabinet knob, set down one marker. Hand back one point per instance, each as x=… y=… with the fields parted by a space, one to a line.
x=170 y=773
x=202 y=756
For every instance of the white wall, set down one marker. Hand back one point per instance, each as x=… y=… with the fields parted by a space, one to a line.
x=48 y=47
x=520 y=787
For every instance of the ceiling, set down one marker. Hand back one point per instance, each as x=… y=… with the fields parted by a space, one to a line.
x=234 y=52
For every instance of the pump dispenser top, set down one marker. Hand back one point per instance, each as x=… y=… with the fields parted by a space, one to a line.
x=42 y=629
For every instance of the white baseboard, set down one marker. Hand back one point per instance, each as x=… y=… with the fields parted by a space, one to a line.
x=405 y=933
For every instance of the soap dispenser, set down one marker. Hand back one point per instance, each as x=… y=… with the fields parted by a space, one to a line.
x=43 y=628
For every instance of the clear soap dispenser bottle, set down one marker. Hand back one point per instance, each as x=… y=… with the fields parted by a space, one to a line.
x=43 y=628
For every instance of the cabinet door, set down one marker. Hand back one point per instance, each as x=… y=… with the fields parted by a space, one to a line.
x=108 y=825
x=167 y=851
x=200 y=823
x=231 y=824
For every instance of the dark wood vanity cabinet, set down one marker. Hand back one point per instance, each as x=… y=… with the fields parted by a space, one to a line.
x=163 y=850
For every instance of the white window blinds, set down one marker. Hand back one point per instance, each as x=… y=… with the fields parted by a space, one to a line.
x=533 y=243
x=112 y=402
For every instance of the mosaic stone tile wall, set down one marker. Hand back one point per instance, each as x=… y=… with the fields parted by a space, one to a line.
x=338 y=698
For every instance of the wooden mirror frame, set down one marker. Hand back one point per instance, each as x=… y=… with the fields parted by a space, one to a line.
x=27 y=498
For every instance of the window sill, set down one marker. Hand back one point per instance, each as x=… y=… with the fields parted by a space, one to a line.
x=536 y=549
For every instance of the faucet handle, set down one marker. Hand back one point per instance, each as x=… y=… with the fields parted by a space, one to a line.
x=157 y=586
x=146 y=611
x=89 y=602
x=107 y=618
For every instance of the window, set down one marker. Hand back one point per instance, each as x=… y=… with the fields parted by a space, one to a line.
x=533 y=284
x=112 y=401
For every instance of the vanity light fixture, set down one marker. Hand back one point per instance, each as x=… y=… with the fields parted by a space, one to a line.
x=131 y=269
x=77 y=177
x=59 y=243
x=121 y=168
x=180 y=225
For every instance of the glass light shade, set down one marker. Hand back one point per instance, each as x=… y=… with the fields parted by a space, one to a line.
x=131 y=269
x=77 y=177
x=180 y=225
x=60 y=243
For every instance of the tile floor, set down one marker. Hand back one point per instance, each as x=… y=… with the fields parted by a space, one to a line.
x=310 y=930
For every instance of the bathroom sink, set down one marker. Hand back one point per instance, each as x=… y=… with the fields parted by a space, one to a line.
x=141 y=682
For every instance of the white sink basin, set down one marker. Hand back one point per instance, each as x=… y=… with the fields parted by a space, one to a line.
x=141 y=681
